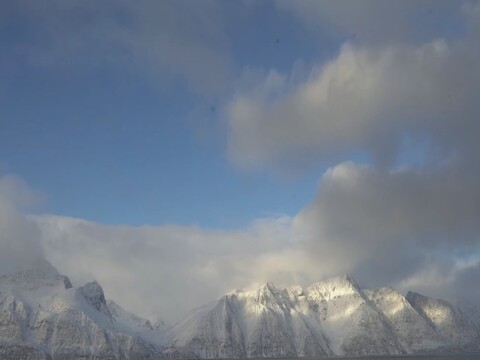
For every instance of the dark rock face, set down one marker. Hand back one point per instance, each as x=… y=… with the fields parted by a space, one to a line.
x=67 y=283
x=93 y=293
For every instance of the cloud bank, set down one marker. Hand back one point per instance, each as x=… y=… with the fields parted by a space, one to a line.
x=386 y=226
x=415 y=229
x=167 y=270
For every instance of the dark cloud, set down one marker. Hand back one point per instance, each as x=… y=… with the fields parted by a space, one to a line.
x=387 y=225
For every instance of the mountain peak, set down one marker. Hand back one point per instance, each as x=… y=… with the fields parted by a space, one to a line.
x=36 y=274
x=69 y=324
x=413 y=295
x=269 y=286
x=386 y=291
x=93 y=293
x=336 y=286
x=416 y=299
x=347 y=278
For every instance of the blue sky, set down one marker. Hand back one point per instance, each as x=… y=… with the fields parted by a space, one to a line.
x=108 y=140
x=111 y=143
x=257 y=140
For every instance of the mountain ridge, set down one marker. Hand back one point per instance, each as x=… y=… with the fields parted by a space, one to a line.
x=42 y=315
x=330 y=317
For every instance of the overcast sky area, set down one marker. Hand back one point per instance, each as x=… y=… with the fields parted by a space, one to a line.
x=176 y=150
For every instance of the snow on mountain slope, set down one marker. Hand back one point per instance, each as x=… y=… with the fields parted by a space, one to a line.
x=415 y=333
x=328 y=318
x=471 y=310
x=260 y=323
x=39 y=274
x=332 y=317
x=447 y=320
x=43 y=316
x=131 y=323
x=349 y=321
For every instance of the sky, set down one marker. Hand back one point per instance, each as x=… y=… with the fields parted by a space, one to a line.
x=182 y=149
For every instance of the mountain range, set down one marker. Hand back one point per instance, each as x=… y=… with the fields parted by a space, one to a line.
x=43 y=316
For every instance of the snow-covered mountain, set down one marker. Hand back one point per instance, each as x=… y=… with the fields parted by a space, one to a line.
x=42 y=316
x=332 y=317
x=413 y=331
x=447 y=320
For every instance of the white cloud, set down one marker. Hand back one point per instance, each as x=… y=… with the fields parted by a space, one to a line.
x=385 y=227
x=388 y=222
x=366 y=99
x=166 y=270
x=404 y=228
x=15 y=192
x=20 y=238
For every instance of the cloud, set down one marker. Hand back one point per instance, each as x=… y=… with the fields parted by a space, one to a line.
x=387 y=223
x=157 y=39
x=15 y=192
x=408 y=218
x=20 y=238
x=374 y=21
x=166 y=270
x=365 y=99
x=452 y=279
x=404 y=228
x=413 y=228
x=385 y=226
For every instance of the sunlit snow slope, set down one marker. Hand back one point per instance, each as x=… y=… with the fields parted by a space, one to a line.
x=332 y=317
x=42 y=316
